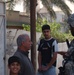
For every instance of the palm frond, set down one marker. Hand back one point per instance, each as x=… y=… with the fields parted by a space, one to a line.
x=47 y=3
x=71 y=1
x=63 y=6
x=49 y=8
x=12 y=4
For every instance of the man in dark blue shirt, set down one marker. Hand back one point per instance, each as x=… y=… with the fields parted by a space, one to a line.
x=47 y=53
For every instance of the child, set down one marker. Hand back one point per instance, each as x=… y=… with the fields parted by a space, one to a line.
x=14 y=65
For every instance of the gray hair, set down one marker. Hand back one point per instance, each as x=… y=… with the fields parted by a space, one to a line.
x=21 y=38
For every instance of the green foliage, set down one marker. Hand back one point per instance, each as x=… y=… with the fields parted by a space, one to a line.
x=55 y=30
x=40 y=23
x=26 y=27
x=59 y=36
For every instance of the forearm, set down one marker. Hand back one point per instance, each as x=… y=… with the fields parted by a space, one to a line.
x=62 y=53
x=53 y=59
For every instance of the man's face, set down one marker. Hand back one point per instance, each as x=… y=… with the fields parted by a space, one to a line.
x=46 y=33
x=27 y=44
x=72 y=30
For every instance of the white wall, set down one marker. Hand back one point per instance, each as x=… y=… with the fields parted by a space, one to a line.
x=12 y=34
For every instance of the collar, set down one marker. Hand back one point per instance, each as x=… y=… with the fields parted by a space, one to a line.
x=24 y=52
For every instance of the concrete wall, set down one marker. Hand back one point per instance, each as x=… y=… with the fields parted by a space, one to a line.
x=12 y=34
x=15 y=16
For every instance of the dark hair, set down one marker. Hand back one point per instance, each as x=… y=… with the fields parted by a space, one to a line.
x=13 y=59
x=44 y=27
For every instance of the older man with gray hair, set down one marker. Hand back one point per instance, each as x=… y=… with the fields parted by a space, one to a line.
x=24 y=45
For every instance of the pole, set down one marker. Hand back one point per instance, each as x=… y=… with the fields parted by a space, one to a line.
x=2 y=38
x=33 y=31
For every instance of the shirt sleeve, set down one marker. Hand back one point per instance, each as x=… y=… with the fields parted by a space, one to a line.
x=55 y=44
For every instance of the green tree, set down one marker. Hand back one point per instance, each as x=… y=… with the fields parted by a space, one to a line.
x=39 y=24
x=55 y=30
x=48 y=4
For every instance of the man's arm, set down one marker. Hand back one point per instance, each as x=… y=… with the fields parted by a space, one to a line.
x=64 y=54
x=61 y=52
x=54 y=55
x=55 y=48
x=51 y=62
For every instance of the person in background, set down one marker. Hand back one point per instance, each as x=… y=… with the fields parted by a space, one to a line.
x=24 y=45
x=14 y=65
x=69 y=55
x=47 y=53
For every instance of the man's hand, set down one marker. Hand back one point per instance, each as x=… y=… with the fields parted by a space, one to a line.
x=44 y=68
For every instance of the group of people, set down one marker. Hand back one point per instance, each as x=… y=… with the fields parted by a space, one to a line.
x=20 y=64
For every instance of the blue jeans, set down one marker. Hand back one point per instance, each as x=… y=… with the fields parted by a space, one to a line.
x=50 y=71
